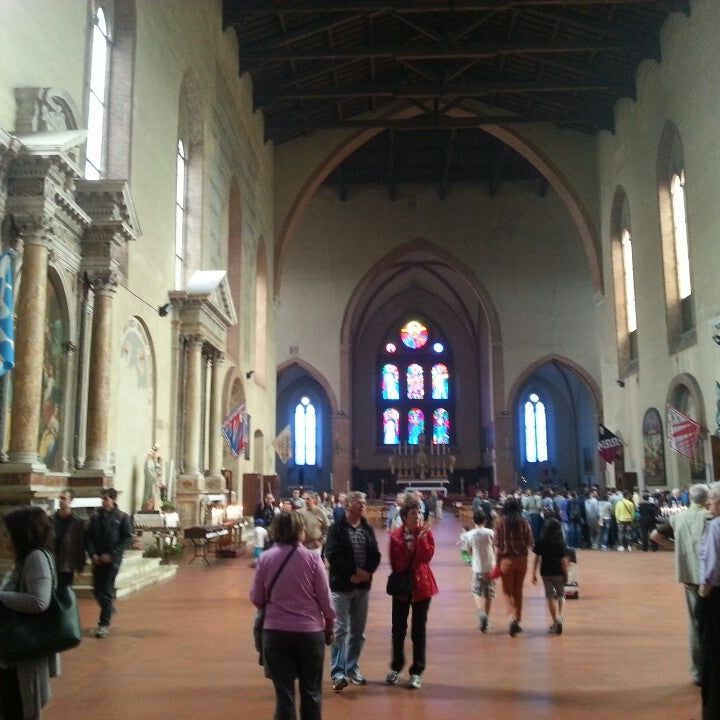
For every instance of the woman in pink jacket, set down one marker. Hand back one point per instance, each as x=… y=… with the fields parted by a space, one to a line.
x=411 y=546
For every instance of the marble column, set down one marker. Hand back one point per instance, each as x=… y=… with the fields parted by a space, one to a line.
x=104 y=287
x=216 y=441
x=29 y=348
x=193 y=405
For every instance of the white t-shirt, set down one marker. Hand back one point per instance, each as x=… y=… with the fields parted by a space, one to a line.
x=480 y=543
x=260 y=536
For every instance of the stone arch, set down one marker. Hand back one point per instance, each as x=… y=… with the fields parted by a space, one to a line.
x=492 y=335
x=570 y=198
x=316 y=375
x=585 y=426
x=681 y=468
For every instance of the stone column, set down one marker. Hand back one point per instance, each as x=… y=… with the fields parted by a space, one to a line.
x=29 y=347
x=215 y=435
x=104 y=286
x=193 y=405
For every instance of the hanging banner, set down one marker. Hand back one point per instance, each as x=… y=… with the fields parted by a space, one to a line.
x=609 y=444
x=282 y=445
x=7 y=328
x=235 y=430
x=682 y=432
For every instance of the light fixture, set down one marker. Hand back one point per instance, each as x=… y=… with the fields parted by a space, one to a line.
x=249 y=374
x=163 y=310
x=620 y=383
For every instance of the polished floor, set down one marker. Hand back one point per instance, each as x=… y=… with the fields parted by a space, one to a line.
x=183 y=650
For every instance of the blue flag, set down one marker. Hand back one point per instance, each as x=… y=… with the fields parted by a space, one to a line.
x=7 y=321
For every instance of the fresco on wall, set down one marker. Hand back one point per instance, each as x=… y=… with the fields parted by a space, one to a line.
x=685 y=402
x=136 y=377
x=53 y=383
x=653 y=448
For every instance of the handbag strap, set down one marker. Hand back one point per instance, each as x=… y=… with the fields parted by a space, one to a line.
x=277 y=574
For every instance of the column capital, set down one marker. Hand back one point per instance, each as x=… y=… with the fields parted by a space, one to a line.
x=193 y=339
x=103 y=282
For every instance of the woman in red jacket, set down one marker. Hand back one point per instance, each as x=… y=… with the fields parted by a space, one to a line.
x=411 y=546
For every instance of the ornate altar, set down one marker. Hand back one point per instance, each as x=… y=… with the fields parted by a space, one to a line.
x=422 y=467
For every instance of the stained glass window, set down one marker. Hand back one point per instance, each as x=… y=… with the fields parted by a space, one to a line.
x=415 y=395
x=305 y=433
x=414 y=335
x=391 y=430
x=416 y=425
x=415 y=382
x=390 y=382
x=440 y=377
x=535 y=430
x=441 y=427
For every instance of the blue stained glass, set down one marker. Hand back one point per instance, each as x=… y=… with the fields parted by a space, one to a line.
x=390 y=382
x=391 y=430
x=440 y=382
x=441 y=427
x=416 y=425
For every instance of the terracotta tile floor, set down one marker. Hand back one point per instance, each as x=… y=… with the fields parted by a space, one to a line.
x=183 y=649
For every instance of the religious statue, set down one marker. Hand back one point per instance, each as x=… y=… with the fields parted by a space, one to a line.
x=153 y=477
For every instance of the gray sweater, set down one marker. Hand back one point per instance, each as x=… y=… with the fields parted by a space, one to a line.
x=30 y=592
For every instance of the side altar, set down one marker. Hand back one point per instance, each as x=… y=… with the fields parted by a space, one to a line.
x=422 y=466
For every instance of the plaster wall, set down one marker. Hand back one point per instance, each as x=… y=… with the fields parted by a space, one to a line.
x=44 y=44
x=524 y=249
x=677 y=89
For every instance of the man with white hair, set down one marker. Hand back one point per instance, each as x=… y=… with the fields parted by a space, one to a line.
x=686 y=528
x=708 y=609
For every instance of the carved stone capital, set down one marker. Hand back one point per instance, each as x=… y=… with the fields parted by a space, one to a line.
x=103 y=282
x=193 y=340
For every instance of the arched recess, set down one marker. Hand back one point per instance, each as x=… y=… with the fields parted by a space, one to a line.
x=261 y=314
x=416 y=265
x=234 y=265
x=296 y=379
x=574 y=401
x=580 y=215
x=137 y=376
x=233 y=395
x=685 y=395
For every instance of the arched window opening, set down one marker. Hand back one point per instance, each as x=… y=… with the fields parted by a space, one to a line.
x=180 y=201
x=682 y=252
x=535 y=426
x=415 y=380
x=97 y=115
x=629 y=275
x=305 y=433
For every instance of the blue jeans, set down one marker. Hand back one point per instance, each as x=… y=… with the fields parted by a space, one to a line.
x=351 y=609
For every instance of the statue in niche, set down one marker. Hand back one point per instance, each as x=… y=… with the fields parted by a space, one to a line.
x=153 y=490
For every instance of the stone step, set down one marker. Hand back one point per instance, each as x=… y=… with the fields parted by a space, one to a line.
x=136 y=572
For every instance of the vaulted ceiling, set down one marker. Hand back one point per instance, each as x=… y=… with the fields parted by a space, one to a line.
x=325 y=64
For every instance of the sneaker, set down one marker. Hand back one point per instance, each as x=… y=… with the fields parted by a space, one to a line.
x=103 y=631
x=514 y=628
x=621 y=549
x=559 y=627
x=392 y=677
x=356 y=677
x=339 y=683
x=553 y=629
x=415 y=682
x=484 y=623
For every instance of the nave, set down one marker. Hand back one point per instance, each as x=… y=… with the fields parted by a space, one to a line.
x=183 y=650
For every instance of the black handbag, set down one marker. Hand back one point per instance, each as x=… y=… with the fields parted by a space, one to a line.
x=399 y=583
x=259 y=619
x=27 y=636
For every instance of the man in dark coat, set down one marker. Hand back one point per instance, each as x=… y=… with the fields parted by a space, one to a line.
x=69 y=540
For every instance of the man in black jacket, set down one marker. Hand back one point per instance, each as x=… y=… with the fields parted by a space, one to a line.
x=353 y=555
x=109 y=534
x=69 y=540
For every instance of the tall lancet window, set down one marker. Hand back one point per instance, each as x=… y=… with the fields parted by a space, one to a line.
x=97 y=115
x=305 y=433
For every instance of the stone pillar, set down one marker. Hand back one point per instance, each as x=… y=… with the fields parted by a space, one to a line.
x=193 y=405
x=342 y=457
x=215 y=434
x=29 y=347
x=104 y=286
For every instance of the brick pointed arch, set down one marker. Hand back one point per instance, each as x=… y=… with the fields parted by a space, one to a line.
x=579 y=213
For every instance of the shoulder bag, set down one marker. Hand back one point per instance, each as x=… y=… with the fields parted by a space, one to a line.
x=259 y=619
x=400 y=582
x=28 y=636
